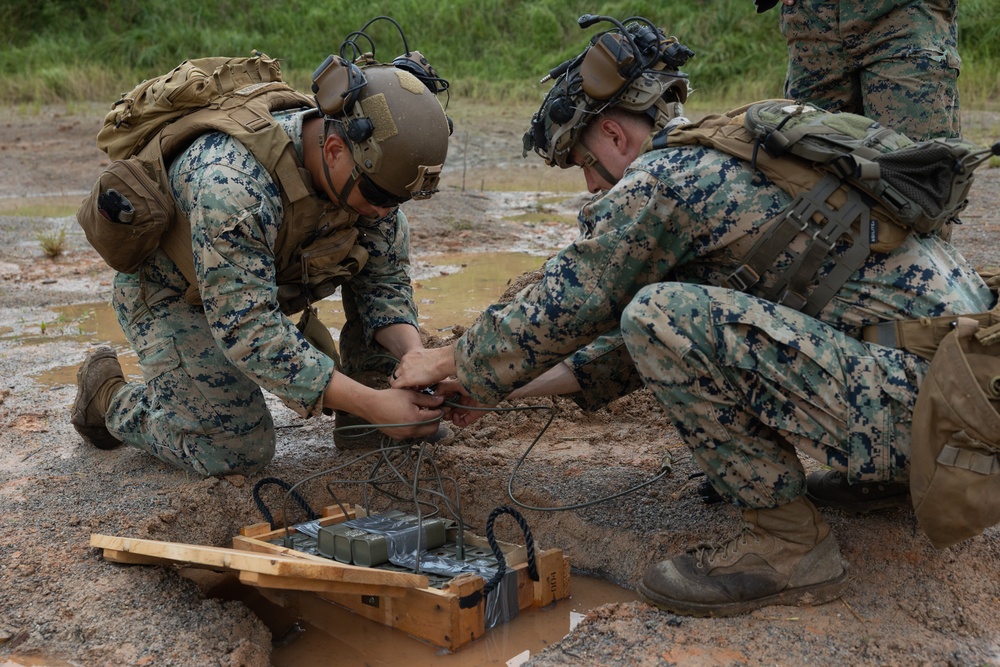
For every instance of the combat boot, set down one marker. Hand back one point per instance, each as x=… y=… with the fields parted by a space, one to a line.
x=829 y=488
x=785 y=555
x=98 y=380
x=353 y=432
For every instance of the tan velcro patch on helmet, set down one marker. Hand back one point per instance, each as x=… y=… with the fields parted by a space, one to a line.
x=376 y=108
x=409 y=82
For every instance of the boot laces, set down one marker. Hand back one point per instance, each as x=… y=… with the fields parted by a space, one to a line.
x=708 y=553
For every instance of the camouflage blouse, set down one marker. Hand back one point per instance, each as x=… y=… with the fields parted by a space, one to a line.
x=685 y=214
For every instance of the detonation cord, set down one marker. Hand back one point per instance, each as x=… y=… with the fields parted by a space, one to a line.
x=287 y=487
x=666 y=463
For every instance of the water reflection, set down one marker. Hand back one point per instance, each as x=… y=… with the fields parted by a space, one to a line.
x=453 y=289
x=449 y=289
x=308 y=630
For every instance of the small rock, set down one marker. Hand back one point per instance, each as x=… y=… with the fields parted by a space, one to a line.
x=236 y=480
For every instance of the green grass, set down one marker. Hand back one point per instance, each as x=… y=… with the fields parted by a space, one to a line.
x=492 y=50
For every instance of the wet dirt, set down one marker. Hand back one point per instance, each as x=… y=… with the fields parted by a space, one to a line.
x=61 y=603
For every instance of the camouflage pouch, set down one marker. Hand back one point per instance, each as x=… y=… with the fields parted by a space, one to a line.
x=320 y=269
x=125 y=215
x=955 y=450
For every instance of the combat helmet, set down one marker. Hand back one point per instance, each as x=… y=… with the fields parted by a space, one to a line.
x=390 y=116
x=633 y=66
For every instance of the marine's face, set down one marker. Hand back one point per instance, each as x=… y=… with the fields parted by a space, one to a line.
x=595 y=182
x=340 y=172
x=339 y=162
x=603 y=152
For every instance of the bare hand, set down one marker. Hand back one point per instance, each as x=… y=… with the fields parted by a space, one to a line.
x=457 y=394
x=423 y=368
x=401 y=406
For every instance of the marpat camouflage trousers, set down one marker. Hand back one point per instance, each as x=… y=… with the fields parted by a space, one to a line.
x=193 y=408
x=894 y=61
x=748 y=383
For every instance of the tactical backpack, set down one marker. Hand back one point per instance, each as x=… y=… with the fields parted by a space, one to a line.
x=955 y=447
x=130 y=213
x=851 y=177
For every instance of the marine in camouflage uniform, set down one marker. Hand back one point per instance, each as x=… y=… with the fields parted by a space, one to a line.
x=748 y=383
x=895 y=61
x=200 y=405
x=744 y=380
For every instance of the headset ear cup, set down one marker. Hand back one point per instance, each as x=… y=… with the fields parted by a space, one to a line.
x=602 y=69
x=357 y=81
x=337 y=84
x=416 y=64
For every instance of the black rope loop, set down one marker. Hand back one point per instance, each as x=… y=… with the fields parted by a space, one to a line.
x=473 y=599
x=286 y=486
x=529 y=540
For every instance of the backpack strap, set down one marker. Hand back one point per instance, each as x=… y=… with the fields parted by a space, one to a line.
x=923 y=336
x=809 y=212
x=254 y=126
x=974 y=455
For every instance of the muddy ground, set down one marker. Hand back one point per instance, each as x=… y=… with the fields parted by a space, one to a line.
x=61 y=603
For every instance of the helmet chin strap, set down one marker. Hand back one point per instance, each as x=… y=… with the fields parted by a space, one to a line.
x=590 y=160
x=344 y=192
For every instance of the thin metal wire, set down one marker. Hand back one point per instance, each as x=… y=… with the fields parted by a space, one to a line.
x=399 y=474
x=665 y=468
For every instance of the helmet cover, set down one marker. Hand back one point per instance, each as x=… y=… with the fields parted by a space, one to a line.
x=389 y=116
x=404 y=140
x=634 y=67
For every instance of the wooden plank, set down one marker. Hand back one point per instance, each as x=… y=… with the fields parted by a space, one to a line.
x=251 y=544
x=467 y=624
x=334 y=512
x=316 y=586
x=553 y=575
x=270 y=564
x=256 y=529
x=429 y=614
x=131 y=559
x=525 y=587
x=514 y=554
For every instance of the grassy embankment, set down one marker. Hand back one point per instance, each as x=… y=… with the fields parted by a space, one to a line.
x=82 y=53
x=494 y=51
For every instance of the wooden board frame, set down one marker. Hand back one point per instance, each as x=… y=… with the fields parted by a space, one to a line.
x=400 y=600
x=430 y=614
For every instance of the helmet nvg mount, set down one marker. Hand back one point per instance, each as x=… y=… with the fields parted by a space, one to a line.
x=633 y=66
x=389 y=115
